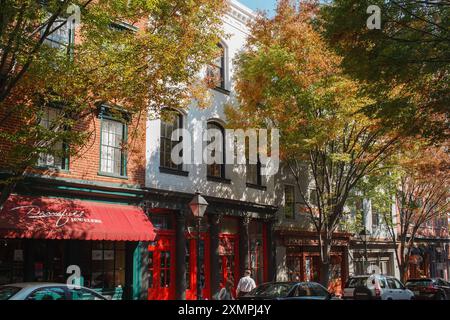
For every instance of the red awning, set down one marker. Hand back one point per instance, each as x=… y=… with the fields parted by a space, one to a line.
x=56 y=218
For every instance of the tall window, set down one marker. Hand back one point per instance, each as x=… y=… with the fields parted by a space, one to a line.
x=62 y=35
x=254 y=173
x=104 y=264
x=113 y=155
x=375 y=218
x=216 y=170
x=289 y=201
x=170 y=121
x=216 y=71
x=55 y=159
x=313 y=197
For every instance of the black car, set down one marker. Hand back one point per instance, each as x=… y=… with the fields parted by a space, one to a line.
x=289 y=291
x=429 y=288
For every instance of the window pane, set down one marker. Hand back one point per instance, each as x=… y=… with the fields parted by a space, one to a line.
x=111 y=149
x=289 y=202
x=49 y=116
x=82 y=294
x=215 y=73
x=170 y=121
x=216 y=169
x=51 y=293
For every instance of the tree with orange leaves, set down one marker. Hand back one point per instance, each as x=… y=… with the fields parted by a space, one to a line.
x=418 y=183
x=133 y=55
x=288 y=78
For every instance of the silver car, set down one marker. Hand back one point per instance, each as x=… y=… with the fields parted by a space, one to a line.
x=376 y=287
x=47 y=291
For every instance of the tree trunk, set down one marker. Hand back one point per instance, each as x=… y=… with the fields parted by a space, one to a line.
x=403 y=271
x=325 y=273
x=325 y=253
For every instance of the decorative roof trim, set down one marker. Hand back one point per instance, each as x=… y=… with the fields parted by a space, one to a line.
x=240 y=12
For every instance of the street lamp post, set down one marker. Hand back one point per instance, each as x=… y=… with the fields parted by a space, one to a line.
x=198 y=207
x=363 y=235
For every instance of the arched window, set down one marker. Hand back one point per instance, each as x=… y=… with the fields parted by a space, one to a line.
x=216 y=150
x=170 y=121
x=216 y=71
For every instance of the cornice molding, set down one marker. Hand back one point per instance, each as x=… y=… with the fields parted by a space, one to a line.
x=240 y=12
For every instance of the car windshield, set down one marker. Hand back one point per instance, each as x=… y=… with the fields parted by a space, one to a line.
x=272 y=290
x=7 y=292
x=356 y=282
x=419 y=283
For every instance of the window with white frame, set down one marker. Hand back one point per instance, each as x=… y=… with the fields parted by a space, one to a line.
x=49 y=120
x=62 y=35
x=170 y=121
x=112 y=153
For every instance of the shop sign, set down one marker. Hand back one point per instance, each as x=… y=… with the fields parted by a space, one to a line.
x=296 y=241
x=62 y=216
x=311 y=242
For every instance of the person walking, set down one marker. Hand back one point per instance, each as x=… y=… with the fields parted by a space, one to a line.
x=225 y=293
x=245 y=285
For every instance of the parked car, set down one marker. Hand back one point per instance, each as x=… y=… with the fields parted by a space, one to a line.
x=47 y=291
x=376 y=286
x=429 y=288
x=289 y=291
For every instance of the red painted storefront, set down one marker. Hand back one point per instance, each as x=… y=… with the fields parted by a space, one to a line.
x=303 y=258
x=163 y=258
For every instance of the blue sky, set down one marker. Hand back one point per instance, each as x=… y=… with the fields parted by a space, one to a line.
x=268 y=5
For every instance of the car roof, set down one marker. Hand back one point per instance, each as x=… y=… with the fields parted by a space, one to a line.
x=289 y=283
x=27 y=285
x=32 y=284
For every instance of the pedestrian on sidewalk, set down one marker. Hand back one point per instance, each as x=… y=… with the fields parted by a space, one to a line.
x=226 y=292
x=245 y=285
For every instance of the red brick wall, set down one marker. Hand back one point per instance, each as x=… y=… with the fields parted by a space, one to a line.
x=85 y=164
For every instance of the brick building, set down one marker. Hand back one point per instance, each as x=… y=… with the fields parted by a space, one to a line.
x=83 y=210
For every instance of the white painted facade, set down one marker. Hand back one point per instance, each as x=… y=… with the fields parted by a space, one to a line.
x=234 y=25
x=384 y=259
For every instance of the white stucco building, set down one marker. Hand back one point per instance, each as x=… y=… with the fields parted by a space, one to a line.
x=236 y=232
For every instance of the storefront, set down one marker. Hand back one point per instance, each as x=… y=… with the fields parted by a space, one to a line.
x=41 y=236
x=378 y=257
x=429 y=259
x=232 y=239
x=302 y=258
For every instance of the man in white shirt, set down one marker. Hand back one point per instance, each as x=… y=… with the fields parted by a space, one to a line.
x=245 y=285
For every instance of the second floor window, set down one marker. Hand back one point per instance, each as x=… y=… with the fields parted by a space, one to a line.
x=375 y=218
x=62 y=35
x=313 y=197
x=54 y=159
x=216 y=170
x=216 y=71
x=170 y=121
x=113 y=155
x=289 y=202
x=254 y=173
